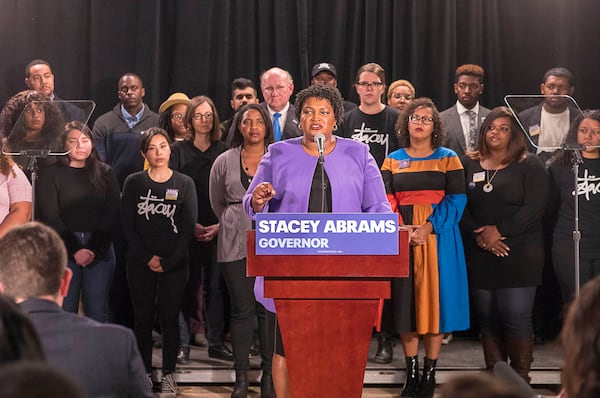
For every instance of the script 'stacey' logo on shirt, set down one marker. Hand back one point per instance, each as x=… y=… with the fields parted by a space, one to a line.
x=152 y=205
x=368 y=136
x=588 y=184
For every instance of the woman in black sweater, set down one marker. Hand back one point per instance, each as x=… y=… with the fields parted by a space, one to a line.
x=79 y=198
x=158 y=212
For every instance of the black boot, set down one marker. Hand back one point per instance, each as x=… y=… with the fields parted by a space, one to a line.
x=412 y=377
x=240 y=390
x=427 y=384
x=385 y=350
x=266 y=385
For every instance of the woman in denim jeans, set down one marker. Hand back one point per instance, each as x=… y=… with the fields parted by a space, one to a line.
x=79 y=197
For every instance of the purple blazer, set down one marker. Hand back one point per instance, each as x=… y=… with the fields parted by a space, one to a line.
x=356 y=183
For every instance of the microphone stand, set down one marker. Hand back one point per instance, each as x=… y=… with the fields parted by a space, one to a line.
x=32 y=166
x=576 y=160
x=323 y=184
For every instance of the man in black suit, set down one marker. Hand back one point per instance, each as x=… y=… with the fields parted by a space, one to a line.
x=102 y=358
x=39 y=77
x=463 y=119
x=277 y=86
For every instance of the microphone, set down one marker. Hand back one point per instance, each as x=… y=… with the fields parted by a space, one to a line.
x=507 y=374
x=573 y=147
x=320 y=141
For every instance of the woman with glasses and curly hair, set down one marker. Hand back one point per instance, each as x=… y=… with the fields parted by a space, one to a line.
x=425 y=186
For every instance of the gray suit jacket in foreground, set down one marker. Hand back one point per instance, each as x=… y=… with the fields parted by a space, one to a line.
x=455 y=138
x=103 y=358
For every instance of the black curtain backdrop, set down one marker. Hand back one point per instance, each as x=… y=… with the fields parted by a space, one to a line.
x=199 y=46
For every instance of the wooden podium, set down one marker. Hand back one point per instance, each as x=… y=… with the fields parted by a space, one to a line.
x=326 y=309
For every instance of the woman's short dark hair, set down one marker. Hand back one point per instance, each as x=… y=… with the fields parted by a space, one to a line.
x=215 y=132
x=18 y=338
x=516 y=143
x=437 y=135
x=149 y=134
x=237 y=139
x=97 y=171
x=320 y=91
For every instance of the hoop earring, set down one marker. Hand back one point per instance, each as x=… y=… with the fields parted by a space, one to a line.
x=335 y=127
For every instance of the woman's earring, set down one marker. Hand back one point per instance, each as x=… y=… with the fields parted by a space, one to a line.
x=335 y=127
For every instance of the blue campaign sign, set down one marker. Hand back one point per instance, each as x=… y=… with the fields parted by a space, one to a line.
x=326 y=233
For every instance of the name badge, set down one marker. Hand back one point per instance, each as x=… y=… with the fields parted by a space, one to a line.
x=404 y=164
x=534 y=130
x=171 y=194
x=479 y=177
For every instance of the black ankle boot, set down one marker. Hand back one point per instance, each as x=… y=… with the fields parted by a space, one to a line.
x=385 y=350
x=266 y=386
x=427 y=384
x=240 y=390
x=412 y=377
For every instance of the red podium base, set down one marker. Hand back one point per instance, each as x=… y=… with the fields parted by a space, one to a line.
x=326 y=309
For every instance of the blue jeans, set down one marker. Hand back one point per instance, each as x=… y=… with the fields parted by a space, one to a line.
x=505 y=312
x=92 y=283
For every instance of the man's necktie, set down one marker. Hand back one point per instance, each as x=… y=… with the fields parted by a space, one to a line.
x=472 y=131
x=276 y=127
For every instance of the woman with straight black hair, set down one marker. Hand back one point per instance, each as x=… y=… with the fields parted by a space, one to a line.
x=79 y=198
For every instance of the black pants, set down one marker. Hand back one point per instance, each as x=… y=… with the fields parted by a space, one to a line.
x=563 y=258
x=119 y=299
x=244 y=310
x=146 y=285
x=206 y=289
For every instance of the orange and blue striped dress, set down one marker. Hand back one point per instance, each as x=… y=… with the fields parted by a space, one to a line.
x=434 y=298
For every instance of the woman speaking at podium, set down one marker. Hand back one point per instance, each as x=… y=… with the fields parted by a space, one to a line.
x=289 y=180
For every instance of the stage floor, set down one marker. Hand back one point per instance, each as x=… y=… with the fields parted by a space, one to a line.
x=461 y=356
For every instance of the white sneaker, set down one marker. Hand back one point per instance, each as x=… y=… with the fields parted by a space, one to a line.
x=168 y=384
x=447 y=338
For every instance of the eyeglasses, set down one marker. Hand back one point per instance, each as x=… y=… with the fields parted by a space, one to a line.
x=205 y=116
x=502 y=129
x=407 y=97
x=370 y=85
x=177 y=116
x=415 y=119
x=270 y=89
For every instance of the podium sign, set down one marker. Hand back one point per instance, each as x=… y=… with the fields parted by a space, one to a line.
x=326 y=233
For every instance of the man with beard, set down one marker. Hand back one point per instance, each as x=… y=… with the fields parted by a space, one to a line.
x=547 y=124
x=117 y=136
x=463 y=119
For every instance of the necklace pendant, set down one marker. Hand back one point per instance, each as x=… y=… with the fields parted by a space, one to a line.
x=487 y=188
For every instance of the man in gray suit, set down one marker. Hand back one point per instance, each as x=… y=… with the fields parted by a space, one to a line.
x=277 y=87
x=102 y=358
x=462 y=121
